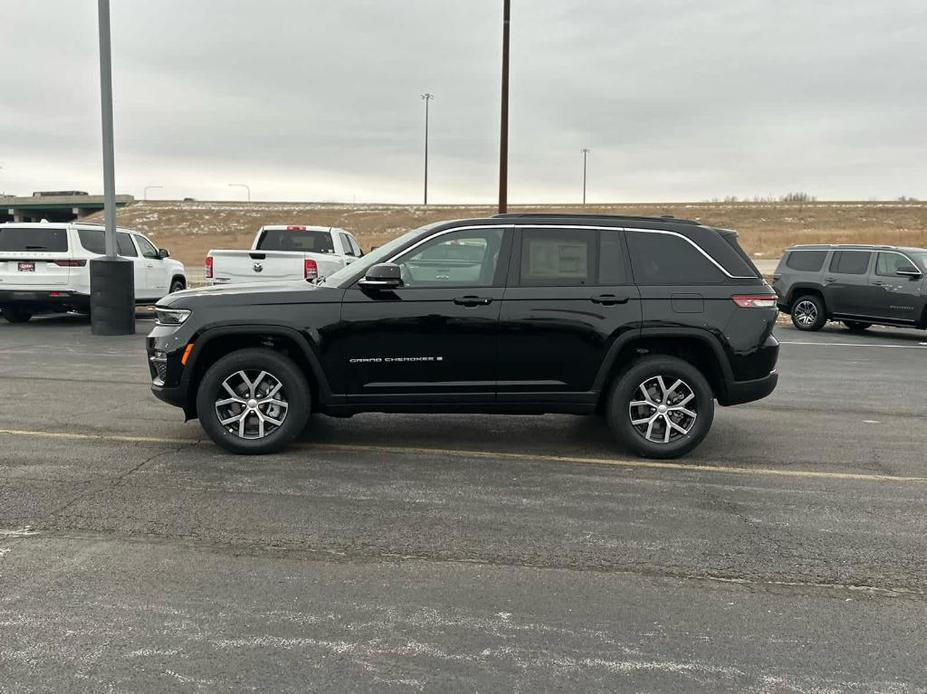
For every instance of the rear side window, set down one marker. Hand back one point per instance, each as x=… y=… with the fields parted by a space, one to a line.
x=850 y=262
x=292 y=240
x=27 y=239
x=557 y=257
x=665 y=259
x=806 y=261
x=93 y=241
x=346 y=245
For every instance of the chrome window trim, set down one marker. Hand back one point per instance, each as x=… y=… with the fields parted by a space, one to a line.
x=575 y=226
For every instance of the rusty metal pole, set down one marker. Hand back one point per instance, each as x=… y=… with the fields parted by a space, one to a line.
x=504 y=136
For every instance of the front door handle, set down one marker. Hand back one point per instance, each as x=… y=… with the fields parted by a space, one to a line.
x=609 y=299
x=472 y=300
x=828 y=280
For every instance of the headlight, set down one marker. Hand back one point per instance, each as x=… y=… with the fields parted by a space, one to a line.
x=171 y=316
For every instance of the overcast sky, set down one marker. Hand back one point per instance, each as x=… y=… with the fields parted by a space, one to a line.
x=320 y=99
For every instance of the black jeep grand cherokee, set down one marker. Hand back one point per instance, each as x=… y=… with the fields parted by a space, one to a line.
x=647 y=320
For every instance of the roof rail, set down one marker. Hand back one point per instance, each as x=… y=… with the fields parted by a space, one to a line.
x=587 y=215
x=845 y=245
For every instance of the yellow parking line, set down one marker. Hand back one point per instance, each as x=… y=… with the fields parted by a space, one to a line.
x=495 y=455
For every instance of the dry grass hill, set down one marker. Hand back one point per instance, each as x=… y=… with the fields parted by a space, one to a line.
x=190 y=229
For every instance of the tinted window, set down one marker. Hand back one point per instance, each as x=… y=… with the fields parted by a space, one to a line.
x=148 y=251
x=291 y=240
x=850 y=262
x=887 y=264
x=612 y=267
x=558 y=257
x=20 y=240
x=665 y=259
x=93 y=241
x=806 y=261
x=466 y=258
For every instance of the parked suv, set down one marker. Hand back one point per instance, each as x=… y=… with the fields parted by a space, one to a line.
x=858 y=285
x=648 y=321
x=44 y=267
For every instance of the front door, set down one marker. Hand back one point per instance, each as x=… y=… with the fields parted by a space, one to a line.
x=157 y=277
x=569 y=297
x=846 y=283
x=434 y=339
x=891 y=296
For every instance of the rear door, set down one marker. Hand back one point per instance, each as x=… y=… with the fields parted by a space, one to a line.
x=569 y=296
x=846 y=283
x=92 y=241
x=33 y=257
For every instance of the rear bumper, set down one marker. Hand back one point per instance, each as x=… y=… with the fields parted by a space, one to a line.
x=739 y=392
x=44 y=297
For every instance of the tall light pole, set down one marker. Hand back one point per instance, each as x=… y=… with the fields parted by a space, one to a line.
x=242 y=185
x=426 y=97
x=585 y=157
x=112 y=279
x=147 y=188
x=504 y=135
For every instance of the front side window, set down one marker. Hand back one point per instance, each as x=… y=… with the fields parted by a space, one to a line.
x=661 y=259
x=148 y=251
x=850 y=262
x=346 y=245
x=467 y=258
x=887 y=264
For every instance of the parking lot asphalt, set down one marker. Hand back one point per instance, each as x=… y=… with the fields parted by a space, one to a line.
x=394 y=552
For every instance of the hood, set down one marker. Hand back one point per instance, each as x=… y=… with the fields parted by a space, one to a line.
x=249 y=293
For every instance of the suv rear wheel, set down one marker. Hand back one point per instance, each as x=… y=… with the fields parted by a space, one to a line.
x=16 y=314
x=662 y=407
x=253 y=401
x=808 y=312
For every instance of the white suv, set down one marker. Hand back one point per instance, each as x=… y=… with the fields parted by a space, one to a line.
x=44 y=267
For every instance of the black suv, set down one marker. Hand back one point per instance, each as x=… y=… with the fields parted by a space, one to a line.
x=645 y=320
x=858 y=285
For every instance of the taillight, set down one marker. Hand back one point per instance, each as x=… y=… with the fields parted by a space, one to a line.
x=70 y=263
x=754 y=301
x=310 y=269
x=294 y=227
x=209 y=267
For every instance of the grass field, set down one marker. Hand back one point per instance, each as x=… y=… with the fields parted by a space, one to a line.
x=190 y=229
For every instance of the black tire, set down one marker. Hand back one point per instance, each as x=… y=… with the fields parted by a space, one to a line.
x=627 y=389
x=857 y=326
x=808 y=313
x=16 y=314
x=294 y=390
x=177 y=285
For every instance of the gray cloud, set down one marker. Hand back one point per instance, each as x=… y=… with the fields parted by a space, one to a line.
x=306 y=99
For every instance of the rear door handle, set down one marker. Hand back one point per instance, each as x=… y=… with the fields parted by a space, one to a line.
x=609 y=299
x=472 y=300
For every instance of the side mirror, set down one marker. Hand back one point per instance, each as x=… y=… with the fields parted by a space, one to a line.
x=908 y=271
x=382 y=276
x=163 y=253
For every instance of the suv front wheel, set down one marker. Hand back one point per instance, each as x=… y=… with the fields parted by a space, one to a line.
x=662 y=407
x=253 y=401
x=808 y=313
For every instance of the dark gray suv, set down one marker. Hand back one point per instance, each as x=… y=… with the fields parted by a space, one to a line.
x=858 y=285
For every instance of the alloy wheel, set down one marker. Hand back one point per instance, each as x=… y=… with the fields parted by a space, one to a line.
x=663 y=414
x=805 y=313
x=252 y=404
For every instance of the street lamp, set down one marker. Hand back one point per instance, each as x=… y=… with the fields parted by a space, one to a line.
x=504 y=135
x=242 y=185
x=426 y=97
x=112 y=278
x=147 y=188
x=585 y=157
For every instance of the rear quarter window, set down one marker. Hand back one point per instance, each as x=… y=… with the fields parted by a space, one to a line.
x=806 y=261
x=666 y=259
x=28 y=239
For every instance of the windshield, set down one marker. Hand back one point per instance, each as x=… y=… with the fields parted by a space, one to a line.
x=343 y=276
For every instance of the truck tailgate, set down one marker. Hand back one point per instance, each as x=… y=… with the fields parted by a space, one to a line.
x=259 y=266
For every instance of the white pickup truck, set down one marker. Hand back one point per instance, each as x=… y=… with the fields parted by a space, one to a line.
x=284 y=252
